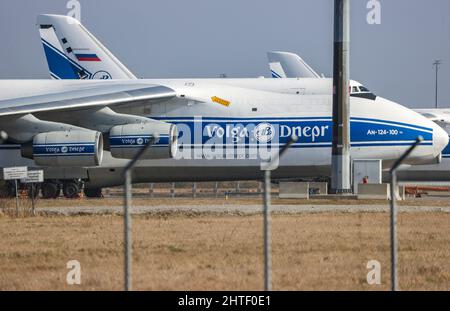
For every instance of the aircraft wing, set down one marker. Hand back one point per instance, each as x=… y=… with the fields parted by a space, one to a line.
x=111 y=95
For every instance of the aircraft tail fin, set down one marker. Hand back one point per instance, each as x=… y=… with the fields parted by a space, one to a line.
x=289 y=65
x=72 y=52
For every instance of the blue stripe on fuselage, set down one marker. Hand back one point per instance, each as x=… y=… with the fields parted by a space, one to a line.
x=313 y=130
x=446 y=152
x=364 y=133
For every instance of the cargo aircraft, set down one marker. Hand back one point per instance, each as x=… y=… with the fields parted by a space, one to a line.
x=203 y=129
x=290 y=65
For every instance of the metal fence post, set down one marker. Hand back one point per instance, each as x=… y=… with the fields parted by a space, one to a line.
x=216 y=189
x=266 y=212
x=127 y=230
x=127 y=214
x=151 y=190
x=267 y=244
x=194 y=190
x=172 y=190
x=393 y=214
x=17 y=197
x=393 y=230
x=33 y=207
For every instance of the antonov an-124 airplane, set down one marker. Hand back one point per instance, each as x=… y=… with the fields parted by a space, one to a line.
x=290 y=65
x=206 y=129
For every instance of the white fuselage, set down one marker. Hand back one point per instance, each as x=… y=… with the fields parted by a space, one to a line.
x=273 y=108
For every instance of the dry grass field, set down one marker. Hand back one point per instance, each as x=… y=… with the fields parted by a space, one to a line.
x=327 y=251
x=25 y=203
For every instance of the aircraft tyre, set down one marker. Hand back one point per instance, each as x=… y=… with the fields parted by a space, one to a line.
x=93 y=192
x=71 y=189
x=50 y=190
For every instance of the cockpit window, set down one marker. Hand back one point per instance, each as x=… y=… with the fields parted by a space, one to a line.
x=362 y=92
x=364 y=89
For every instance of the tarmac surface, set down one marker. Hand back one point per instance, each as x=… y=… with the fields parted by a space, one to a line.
x=234 y=209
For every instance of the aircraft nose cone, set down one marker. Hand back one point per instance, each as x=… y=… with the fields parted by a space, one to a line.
x=440 y=139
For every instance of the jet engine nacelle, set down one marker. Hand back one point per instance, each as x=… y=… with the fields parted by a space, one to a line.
x=66 y=148
x=125 y=141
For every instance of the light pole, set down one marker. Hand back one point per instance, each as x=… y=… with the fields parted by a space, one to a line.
x=436 y=64
x=340 y=158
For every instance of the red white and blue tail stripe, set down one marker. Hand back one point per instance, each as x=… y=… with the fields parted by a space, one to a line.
x=88 y=58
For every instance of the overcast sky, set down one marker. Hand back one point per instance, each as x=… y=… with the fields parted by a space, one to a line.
x=204 y=38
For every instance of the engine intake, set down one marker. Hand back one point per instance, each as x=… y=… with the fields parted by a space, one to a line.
x=66 y=148
x=126 y=140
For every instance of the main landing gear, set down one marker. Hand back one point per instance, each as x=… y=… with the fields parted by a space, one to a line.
x=51 y=189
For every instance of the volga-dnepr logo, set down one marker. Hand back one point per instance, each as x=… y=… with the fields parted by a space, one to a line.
x=140 y=141
x=101 y=75
x=264 y=132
